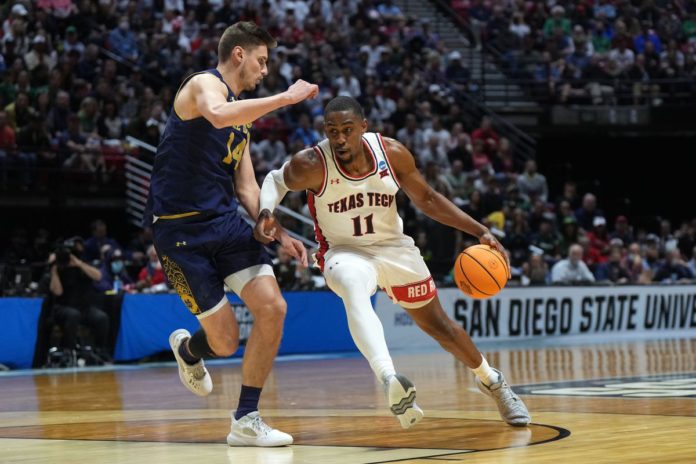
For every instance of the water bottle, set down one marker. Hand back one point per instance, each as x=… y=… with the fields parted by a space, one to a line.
x=117 y=284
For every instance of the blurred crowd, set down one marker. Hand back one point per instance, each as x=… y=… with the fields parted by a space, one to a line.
x=79 y=76
x=598 y=51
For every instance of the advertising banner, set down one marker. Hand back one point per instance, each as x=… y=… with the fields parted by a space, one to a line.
x=526 y=313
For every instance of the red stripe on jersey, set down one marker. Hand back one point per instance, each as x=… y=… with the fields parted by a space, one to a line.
x=318 y=151
x=386 y=157
x=415 y=292
x=319 y=236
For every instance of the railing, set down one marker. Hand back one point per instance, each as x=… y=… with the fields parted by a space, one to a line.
x=474 y=105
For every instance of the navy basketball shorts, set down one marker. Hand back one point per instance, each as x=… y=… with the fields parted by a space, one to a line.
x=199 y=256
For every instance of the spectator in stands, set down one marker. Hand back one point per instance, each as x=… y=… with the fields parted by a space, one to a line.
x=571 y=269
x=622 y=230
x=347 y=84
x=389 y=11
x=547 y=239
x=516 y=239
x=8 y=148
x=613 y=270
x=109 y=122
x=588 y=211
x=601 y=38
x=673 y=269
x=436 y=180
x=304 y=134
x=636 y=265
x=19 y=112
x=411 y=135
x=457 y=180
x=598 y=237
x=58 y=115
x=40 y=55
x=123 y=41
x=531 y=183
x=487 y=134
x=34 y=143
x=479 y=157
x=505 y=163
x=622 y=56
x=687 y=238
x=94 y=245
x=692 y=262
x=535 y=271
x=269 y=153
x=456 y=73
x=152 y=274
x=479 y=14
x=114 y=276
x=72 y=41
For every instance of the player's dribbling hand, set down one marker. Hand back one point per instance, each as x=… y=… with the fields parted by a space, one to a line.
x=294 y=248
x=490 y=240
x=302 y=90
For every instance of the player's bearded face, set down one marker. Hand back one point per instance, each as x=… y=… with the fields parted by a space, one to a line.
x=344 y=130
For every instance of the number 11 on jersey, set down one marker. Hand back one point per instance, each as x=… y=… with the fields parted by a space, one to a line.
x=357 y=226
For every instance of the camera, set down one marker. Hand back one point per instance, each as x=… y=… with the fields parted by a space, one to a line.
x=65 y=249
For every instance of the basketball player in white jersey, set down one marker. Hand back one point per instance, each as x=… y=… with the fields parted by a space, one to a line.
x=351 y=180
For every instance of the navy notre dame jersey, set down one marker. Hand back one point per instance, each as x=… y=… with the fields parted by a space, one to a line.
x=194 y=166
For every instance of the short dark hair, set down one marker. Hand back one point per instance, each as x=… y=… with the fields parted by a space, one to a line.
x=243 y=34
x=343 y=103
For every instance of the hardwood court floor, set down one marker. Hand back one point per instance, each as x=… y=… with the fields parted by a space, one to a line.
x=641 y=410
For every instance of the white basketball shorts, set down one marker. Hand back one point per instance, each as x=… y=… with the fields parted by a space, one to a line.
x=399 y=270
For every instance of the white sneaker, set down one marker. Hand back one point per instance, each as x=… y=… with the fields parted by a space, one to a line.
x=195 y=377
x=512 y=409
x=251 y=430
x=401 y=395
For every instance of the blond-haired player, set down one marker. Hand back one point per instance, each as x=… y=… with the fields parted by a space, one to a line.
x=351 y=180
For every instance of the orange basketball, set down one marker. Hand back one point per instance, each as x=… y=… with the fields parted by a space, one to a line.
x=481 y=271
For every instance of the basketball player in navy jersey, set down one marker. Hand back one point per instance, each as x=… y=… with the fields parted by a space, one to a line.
x=351 y=180
x=202 y=171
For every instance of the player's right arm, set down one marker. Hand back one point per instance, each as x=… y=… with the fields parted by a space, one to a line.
x=209 y=99
x=304 y=171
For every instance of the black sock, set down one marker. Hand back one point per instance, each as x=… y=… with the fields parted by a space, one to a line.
x=185 y=353
x=198 y=346
x=248 y=401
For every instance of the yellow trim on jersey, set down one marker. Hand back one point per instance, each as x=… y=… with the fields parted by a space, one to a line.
x=180 y=215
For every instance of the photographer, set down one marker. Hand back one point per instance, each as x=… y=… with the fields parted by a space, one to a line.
x=73 y=297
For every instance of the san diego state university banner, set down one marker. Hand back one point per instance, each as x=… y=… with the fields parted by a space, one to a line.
x=597 y=312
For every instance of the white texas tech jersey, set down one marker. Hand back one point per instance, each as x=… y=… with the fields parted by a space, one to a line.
x=356 y=211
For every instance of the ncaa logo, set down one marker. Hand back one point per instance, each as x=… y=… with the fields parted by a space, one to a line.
x=382 y=165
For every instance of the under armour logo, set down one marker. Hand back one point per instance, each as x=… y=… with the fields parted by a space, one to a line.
x=180 y=244
x=335 y=181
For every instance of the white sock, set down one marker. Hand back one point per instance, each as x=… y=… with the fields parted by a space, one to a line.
x=368 y=335
x=353 y=282
x=485 y=373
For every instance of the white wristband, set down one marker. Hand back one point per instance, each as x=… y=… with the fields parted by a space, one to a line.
x=273 y=189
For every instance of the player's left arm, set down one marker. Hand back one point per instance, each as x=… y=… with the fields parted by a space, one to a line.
x=432 y=203
x=248 y=192
x=245 y=186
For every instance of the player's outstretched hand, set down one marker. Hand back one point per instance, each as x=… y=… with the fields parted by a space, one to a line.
x=490 y=240
x=266 y=228
x=301 y=90
x=294 y=248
